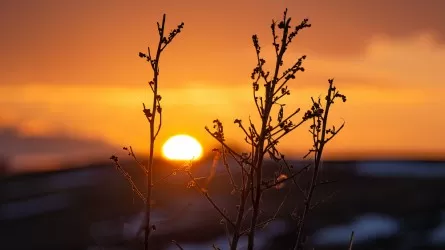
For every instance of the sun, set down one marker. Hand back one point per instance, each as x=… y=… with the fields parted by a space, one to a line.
x=182 y=147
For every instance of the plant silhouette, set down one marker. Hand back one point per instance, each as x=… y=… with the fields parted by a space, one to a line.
x=154 y=117
x=270 y=88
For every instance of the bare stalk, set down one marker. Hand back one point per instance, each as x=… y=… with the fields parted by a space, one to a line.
x=154 y=123
x=321 y=135
x=263 y=141
x=274 y=90
x=263 y=138
x=177 y=245
x=351 y=240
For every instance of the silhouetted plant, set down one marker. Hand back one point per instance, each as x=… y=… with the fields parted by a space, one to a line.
x=154 y=123
x=264 y=137
x=321 y=135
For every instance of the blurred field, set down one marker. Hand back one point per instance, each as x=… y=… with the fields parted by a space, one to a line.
x=83 y=208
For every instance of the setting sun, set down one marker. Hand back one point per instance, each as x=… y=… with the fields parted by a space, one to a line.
x=182 y=147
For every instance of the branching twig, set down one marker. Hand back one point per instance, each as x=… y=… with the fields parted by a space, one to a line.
x=150 y=114
x=132 y=154
x=322 y=201
x=266 y=222
x=229 y=172
x=264 y=137
x=270 y=87
x=206 y=195
x=128 y=177
x=320 y=133
x=275 y=183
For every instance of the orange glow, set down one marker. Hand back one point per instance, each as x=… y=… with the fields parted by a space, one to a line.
x=74 y=70
x=182 y=147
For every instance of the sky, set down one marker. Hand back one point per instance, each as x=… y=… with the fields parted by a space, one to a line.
x=72 y=83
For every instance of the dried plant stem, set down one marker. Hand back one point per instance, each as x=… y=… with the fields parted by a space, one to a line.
x=270 y=99
x=256 y=191
x=130 y=180
x=177 y=245
x=320 y=138
x=266 y=222
x=206 y=195
x=152 y=135
x=263 y=138
x=240 y=214
x=351 y=240
x=155 y=124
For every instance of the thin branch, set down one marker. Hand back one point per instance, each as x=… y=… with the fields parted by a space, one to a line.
x=351 y=240
x=177 y=244
x=160 y=121
x=268 y=186
x=206 y=195
x=320 y=121
x=224 y=144
x=240 y=124
x=132 y=154
x=255 y=89
x=326 y=182
x=226 y=229
x=129 y=179
x=290 y=73
x=265 y=223
x=164 y=178
x=226 y=165
x=336 y=132
x=318 y=203
x=286 y=119
x=285 y=133
x=293 y=179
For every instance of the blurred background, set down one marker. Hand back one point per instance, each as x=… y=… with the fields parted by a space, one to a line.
x=388 y=204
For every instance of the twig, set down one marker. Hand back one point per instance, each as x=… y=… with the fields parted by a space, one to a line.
x=226 y=165
x=266 y=222
x=224 y=144
x=351 y=240
x=136 y=160
x=150 y=114
x=206 y=195
x=322 y=200
x=268 y=186
x=177 y=244
x=320 y=137
x=129 y=179
x=164 y=178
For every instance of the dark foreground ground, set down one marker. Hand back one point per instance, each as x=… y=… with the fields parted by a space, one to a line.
x=389 y=205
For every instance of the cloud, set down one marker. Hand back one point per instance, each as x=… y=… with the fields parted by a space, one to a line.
x=15 y=144
x=94 y=42
x=50 y=150
x=347 y=26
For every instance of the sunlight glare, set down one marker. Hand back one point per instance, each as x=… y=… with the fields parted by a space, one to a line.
x=182 y=147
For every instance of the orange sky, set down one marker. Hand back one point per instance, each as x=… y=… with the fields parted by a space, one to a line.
x=70 y=69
